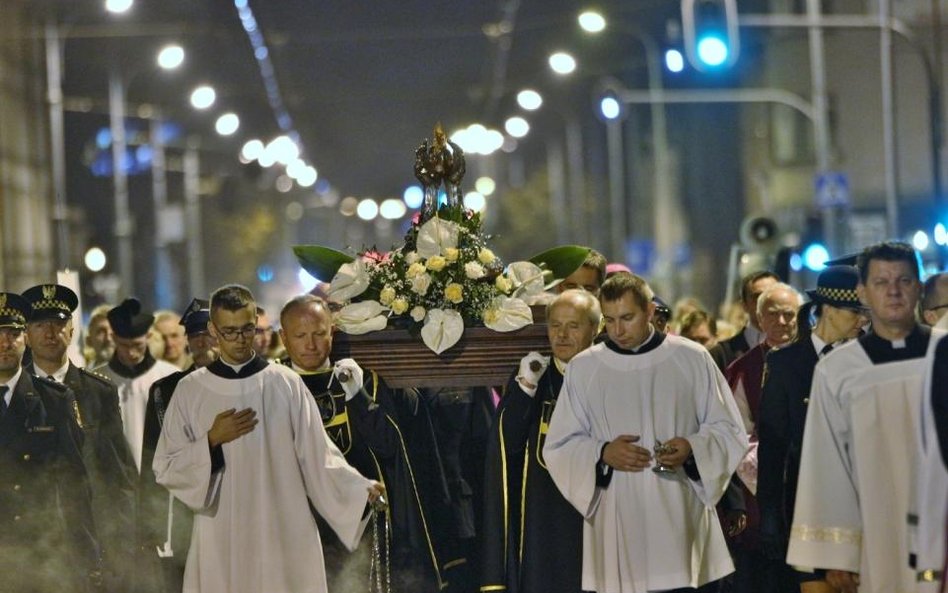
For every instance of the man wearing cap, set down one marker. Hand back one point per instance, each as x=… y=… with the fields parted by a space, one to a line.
x=663 y=314
x=47 y=532
x=165 y=521
x=727 y=351
x=858 y=458
x=133 y=369
x=243 y=445
x=786 y=393
x=105 y=452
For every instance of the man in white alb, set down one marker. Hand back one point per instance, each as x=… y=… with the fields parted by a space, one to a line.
x=858 y=459
x=645 y=530
x=243 y=445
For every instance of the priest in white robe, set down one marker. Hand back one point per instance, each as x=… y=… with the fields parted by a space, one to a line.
x=858 y=460
x=243 y=445
x=645 y=530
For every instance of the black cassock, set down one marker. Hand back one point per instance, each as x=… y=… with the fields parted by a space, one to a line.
x=533 y=537
x=939 y=397
x=154 y=500
x=369 y=431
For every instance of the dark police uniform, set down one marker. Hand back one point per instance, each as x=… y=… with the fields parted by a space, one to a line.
x=788 y=379
x=47 y=535
x=105 y=451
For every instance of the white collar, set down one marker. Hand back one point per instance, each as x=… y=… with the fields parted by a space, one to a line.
x=59 y=375
x=10 y=385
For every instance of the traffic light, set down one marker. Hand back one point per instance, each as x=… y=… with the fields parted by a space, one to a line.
x=712 y=41
x=813 y=251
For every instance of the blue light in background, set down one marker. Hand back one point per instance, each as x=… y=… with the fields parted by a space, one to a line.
x=796 y=262
x=414 y=196
x=712 y=50
x=265 y=273
x=815 y=257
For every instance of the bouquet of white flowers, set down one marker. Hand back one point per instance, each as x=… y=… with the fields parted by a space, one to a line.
x=443 y=278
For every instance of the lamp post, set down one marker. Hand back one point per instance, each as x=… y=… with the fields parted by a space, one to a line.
x=666 y=212
x=54 y=95
x=123 y=220
x=169 y=58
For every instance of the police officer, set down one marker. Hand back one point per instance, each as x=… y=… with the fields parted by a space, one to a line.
x=47 y=535
x=104 y=451
x=785 y=398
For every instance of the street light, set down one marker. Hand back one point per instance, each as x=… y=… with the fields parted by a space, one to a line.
x=170 y=57
x=517 y=127
x=203 y=97
x=227 y=124
x=123 y=219
x=562 y=63
x=674 y=61
x=529 y=100
x=118 y=6
x=95 y=259
x=591 y=21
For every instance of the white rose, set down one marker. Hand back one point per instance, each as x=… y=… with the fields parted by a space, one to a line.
x=420 y=284
x=473 y=270
x=418 y=313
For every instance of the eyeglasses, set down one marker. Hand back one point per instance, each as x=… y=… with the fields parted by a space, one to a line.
x=230 y=333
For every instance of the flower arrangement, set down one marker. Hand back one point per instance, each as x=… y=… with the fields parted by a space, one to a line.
x=443 y=278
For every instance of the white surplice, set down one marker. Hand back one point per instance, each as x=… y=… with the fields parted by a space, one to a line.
x=133 y=400
x=647 y=531
x=931 y=496
x=857 y=468
x=253 y=530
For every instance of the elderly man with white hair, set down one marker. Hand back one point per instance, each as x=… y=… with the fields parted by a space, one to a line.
x=777 y=314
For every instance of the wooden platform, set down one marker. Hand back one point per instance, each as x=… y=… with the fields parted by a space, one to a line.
x=483 y=357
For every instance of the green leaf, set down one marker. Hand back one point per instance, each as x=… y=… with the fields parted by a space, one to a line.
x=321 y=262
x=561 y=261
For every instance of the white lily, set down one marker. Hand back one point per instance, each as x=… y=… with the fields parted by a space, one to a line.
x=435 y=236
x=527 y=279
x=350 y=281
x=506 y=314
x=361 y=318
x=443 y=328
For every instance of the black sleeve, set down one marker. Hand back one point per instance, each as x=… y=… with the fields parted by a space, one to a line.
x=372 y=413
x=773 y=447
x=939 y=397
x=733 y=499
x=217 y=458
x=603 y=470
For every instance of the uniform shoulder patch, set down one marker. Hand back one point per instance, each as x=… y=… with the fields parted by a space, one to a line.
x=97 y=376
